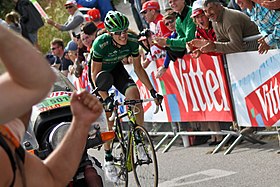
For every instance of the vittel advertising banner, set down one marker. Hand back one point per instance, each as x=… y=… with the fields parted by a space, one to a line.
x=255 y=82
x=193 y=89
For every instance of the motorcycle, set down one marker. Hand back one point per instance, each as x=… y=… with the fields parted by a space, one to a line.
x=49 y=122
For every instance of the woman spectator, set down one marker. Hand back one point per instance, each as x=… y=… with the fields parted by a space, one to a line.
x=169 y=20
x=204 y=30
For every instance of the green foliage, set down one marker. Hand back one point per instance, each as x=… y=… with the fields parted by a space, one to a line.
x=5 y=7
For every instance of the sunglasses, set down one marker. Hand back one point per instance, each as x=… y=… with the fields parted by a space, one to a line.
x=169 y=22
x=54 y=48
x=68 y=7
x=120 y=32
x=144 y=12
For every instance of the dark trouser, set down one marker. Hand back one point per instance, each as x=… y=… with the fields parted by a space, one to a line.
x=122 y=80
x=175 y=54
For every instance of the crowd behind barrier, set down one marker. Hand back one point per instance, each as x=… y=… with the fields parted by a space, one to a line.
x=241 y=87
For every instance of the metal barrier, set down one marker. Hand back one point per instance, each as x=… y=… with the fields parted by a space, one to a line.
x=252 y=44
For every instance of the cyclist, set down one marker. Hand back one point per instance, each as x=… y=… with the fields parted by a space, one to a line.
x=106 y=54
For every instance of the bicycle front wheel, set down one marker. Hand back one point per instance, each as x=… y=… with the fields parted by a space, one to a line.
x=145 y=167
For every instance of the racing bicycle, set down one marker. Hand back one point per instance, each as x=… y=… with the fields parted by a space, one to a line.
x=124 y=147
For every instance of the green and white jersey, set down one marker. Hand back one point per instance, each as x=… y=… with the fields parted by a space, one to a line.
x=103 y=50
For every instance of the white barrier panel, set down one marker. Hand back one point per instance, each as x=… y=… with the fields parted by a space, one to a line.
x=255 y=83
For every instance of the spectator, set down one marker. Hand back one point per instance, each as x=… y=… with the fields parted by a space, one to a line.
x=204 y=29
x=12 y=19
x=72 y=50
x=81 y=48
x=230 y=26
x=153 y=51
x=74 y=69
x=151 y=12
x=74 y=21
x=54 y=61
x=103 y=6
x=57 y=49
x=169 y=20
x=30 y=20
x=90 y=32
x=95 y=17
x=185 y=28
x=268 y=22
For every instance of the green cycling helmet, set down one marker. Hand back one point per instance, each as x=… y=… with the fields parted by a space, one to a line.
x=115 y=21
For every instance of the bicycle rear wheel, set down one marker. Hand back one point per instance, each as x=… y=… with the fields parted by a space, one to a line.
x=119 y=154
x=145 y=171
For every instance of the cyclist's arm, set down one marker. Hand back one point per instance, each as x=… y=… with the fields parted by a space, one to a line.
x=141 y=73
x=28 y=78
x=95 y=69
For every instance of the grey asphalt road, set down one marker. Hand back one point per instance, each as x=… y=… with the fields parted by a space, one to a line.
x=248 y=165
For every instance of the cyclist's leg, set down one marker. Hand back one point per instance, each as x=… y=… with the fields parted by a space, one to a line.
x=132 y=92
x=126 y=85
x=110 y=169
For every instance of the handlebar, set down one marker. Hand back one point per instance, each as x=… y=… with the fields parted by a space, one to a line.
x=131 y=102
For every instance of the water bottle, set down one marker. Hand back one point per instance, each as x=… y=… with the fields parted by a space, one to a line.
x=100 y=124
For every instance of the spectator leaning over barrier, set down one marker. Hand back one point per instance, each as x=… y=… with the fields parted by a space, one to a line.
x=268 y=22
x=230 y=26
x=270 y=4
x=204 y=29
x=169 y=20
x=95 y=17
x=88 y=35
x=185 y=28
x=74 y=21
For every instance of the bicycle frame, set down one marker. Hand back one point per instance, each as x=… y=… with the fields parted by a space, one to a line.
x=127 y=156
x=126 y=141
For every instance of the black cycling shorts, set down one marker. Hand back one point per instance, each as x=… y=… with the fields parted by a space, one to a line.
x=122 y=80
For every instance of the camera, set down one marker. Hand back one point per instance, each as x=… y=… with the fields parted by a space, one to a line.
x=145 y=32
x=78 y=36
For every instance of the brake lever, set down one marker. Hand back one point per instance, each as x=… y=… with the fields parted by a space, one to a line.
x=160 y=107
x=160 y=98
